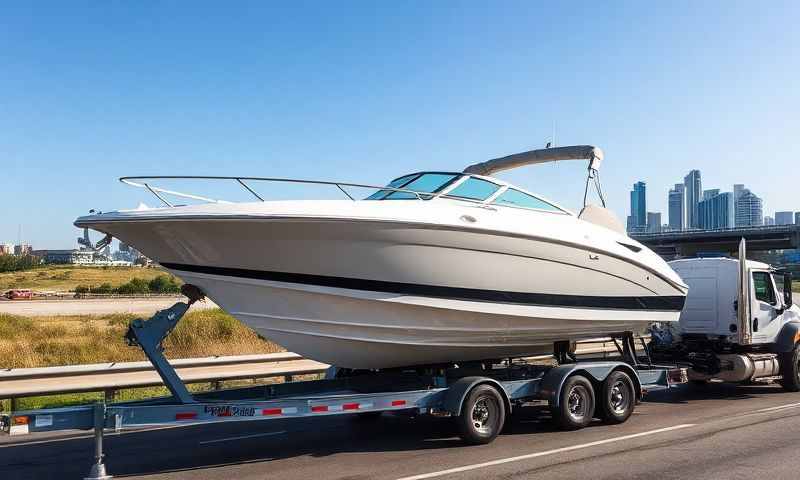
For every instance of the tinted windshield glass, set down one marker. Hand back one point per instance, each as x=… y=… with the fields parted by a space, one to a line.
x=396 y=183
x=474 y=188
x=515 y=198
x=426 y=182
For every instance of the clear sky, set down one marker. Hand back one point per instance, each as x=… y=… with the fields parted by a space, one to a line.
x=366 y=91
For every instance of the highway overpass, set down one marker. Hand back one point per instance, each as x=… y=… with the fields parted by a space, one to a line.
x=689 y=243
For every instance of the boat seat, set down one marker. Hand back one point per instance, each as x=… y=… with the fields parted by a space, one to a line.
x=603 y=217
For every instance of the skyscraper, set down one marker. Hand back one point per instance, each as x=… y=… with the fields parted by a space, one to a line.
x=768 y=221
x=749 y=210
x=784 y=218
x=638 y=207
x=694 y=187
x=653 y=222
x=677 y=207
x=716 y=211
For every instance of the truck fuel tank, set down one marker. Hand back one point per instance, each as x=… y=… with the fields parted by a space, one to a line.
x=742 y=367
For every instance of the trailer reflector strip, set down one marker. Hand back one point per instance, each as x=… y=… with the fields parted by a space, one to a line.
x=350 y=406
x=279 y=411
x=398 y=403
x=319 y=408
x=185 y=416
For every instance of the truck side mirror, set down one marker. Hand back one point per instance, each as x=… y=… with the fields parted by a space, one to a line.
x=787 y=289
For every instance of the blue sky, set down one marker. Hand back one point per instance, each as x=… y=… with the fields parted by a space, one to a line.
x=366 y=91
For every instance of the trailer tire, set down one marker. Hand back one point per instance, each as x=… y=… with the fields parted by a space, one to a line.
x=617 y=398
x=483 y=415
x=576 y=404
x=790 y=369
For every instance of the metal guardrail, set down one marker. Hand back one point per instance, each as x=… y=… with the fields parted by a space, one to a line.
x=109 y=377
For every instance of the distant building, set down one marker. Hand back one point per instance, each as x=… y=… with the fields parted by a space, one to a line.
x=797 y=218
x=638 y=208
x=709 y=194
x=784 y=218
x=694 y=187
x=768 y=221
x=66 y=256
x=677 y=207
x=749 y=210
x=6 y=249
x=653 y=222
x=22 y=249
x=716 y=210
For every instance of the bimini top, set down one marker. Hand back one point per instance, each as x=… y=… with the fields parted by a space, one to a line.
x=533 y=157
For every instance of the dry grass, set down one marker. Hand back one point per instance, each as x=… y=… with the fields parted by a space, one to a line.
x=70 y=340
x=64 y=278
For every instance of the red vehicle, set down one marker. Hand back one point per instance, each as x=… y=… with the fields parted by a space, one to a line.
x=20 y=294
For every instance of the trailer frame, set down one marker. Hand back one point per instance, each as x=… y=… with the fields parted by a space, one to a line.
x=434 y=390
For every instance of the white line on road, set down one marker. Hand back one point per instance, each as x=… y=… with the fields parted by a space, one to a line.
x=241 y=437
x=501 y=461
x=779 y=407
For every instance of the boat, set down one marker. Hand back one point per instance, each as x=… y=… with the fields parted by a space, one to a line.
x=434 y=268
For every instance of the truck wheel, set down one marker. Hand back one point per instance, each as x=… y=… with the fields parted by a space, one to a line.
x=482 y=415
x=616 y=398
x=576 y=404
x=790 y=369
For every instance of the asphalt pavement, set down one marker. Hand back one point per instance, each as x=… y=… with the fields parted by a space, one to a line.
x=717 y=432
x=141 y=306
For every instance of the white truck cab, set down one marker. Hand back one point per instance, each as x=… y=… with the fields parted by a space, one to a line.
x=711 y=307
x=738 y=324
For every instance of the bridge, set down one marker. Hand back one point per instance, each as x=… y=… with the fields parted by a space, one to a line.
x=689 y=243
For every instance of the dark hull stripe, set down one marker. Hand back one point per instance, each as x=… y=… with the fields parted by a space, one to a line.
x=661 y=303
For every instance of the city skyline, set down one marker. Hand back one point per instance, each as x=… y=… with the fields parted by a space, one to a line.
x=714 y=208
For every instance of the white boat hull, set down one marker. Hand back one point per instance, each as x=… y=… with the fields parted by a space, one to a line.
x=380 y=293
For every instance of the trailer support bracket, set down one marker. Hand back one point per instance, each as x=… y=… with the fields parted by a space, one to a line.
x=149 y=334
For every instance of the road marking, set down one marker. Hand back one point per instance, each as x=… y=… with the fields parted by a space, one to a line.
x=501 y=461
x=241 y=437
x=779 y=407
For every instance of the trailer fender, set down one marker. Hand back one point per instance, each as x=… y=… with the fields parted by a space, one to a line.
x=458 y=391
x=788 y=337
x=596 y=372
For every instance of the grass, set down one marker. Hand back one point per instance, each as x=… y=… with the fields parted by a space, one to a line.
x=64 y=278
x=69 y=340
x=796 y=286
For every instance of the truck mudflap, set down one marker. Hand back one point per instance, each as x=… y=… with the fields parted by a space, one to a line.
x=788 y=337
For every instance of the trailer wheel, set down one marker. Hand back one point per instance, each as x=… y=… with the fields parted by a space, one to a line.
x=483 y=414
x=576 y=406
x=790 y=369
x=616 y=398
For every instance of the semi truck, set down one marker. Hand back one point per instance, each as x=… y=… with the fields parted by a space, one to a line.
x=739 y=325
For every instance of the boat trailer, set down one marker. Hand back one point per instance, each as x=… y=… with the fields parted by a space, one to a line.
x=458 y=391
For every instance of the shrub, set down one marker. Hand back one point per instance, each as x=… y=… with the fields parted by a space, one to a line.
x=105 y=288
x=81 y=289
x=134 y=287
x=164 y=284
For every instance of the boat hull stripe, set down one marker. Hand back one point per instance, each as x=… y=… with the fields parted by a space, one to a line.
x=662 y=303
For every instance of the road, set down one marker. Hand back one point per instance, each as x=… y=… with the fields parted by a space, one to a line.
x=140 y=306
x=718 y=432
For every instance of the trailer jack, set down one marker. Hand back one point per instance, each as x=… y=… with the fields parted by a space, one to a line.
x=149 y=334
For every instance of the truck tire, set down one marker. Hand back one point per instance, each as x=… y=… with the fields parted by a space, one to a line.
x=790 y=369
x=575 y=408
x=617 y=398
x=483 y=415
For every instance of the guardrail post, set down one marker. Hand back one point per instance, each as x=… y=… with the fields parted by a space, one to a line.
x=98 y=470
x=110 y=394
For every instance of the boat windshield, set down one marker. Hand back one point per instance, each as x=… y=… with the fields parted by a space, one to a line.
x=417 y=182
